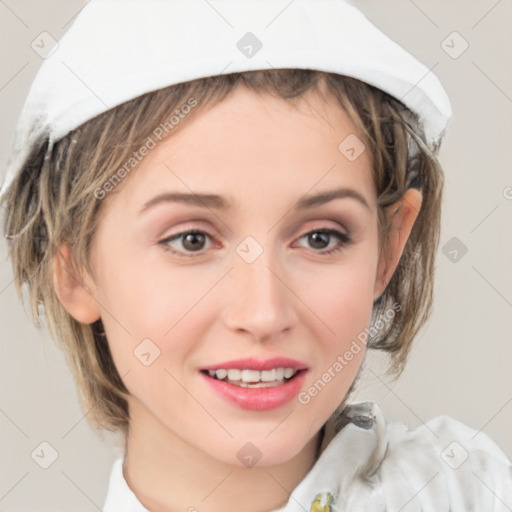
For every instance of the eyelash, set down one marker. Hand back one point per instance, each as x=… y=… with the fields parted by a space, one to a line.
x=343 y=241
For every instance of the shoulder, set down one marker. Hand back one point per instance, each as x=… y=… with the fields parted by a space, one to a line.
x=456 y=440
x=445 y=465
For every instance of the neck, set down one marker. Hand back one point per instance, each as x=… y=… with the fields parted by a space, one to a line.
x=168 y=475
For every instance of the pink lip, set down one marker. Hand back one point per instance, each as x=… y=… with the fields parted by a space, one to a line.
x=259 y=364
x=257 y=399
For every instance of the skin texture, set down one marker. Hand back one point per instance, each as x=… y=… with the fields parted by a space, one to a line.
x=262 y=154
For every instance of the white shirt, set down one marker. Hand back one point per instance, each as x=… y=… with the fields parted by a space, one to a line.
x=368 y=466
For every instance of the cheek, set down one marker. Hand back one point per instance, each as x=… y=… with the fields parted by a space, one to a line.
x=346 y=309
x=343 y=299
x=342 y=296
x=144 y=299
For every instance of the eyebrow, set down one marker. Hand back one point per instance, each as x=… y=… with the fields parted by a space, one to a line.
x=220 y=203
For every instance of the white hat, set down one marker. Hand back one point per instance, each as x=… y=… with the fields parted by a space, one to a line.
x=117 y=50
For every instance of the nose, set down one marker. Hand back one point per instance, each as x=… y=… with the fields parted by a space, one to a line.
x=261 y=301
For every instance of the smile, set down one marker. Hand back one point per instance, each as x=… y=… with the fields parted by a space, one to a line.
x=256 y=384
x=254 y=378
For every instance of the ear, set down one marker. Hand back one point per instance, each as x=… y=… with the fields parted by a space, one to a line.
x=73 y=290
x=401 y=217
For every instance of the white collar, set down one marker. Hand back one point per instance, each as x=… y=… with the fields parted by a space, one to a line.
x=359 y=433
x=367 y=465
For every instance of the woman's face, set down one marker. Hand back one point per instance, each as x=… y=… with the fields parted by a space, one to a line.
x=273 y=284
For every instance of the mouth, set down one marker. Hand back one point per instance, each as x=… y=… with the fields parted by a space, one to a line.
x=256 y=384
x=245 y=378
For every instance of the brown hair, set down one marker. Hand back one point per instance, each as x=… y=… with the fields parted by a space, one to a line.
x=52 y=202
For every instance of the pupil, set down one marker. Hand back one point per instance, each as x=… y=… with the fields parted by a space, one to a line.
x=322 y=237
x=191 y=240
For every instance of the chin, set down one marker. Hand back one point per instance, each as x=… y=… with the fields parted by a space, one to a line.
x=268 y=450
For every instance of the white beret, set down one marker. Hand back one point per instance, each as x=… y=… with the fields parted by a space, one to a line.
x=116 y=50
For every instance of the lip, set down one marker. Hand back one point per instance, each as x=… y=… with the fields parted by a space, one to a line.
x=259 y=364
x=257 y=399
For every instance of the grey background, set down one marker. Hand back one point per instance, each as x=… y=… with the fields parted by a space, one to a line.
x=461 y=362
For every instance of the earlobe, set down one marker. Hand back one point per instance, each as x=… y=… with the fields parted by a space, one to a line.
x=401 y=218
x=74 y=293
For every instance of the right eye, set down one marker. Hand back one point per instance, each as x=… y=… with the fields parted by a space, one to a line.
x=191 y=241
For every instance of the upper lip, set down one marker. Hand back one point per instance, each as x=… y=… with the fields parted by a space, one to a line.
x=258 y=364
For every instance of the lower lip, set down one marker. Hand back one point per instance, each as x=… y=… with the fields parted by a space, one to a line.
x=258 y=399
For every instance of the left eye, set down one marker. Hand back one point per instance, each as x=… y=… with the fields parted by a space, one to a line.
x=320 y=238
x=194 y=241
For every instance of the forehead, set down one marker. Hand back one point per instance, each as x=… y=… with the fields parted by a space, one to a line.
x=246 y=115
x=254 y=143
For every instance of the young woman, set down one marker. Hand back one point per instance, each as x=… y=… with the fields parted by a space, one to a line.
x=218 y=227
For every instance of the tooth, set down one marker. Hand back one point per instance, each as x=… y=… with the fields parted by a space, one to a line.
x=289 y=372
x=254 y=378
x=268 y=375
x=252 y=385
x=251 y=375
x=221 y=373
x=234 y=374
